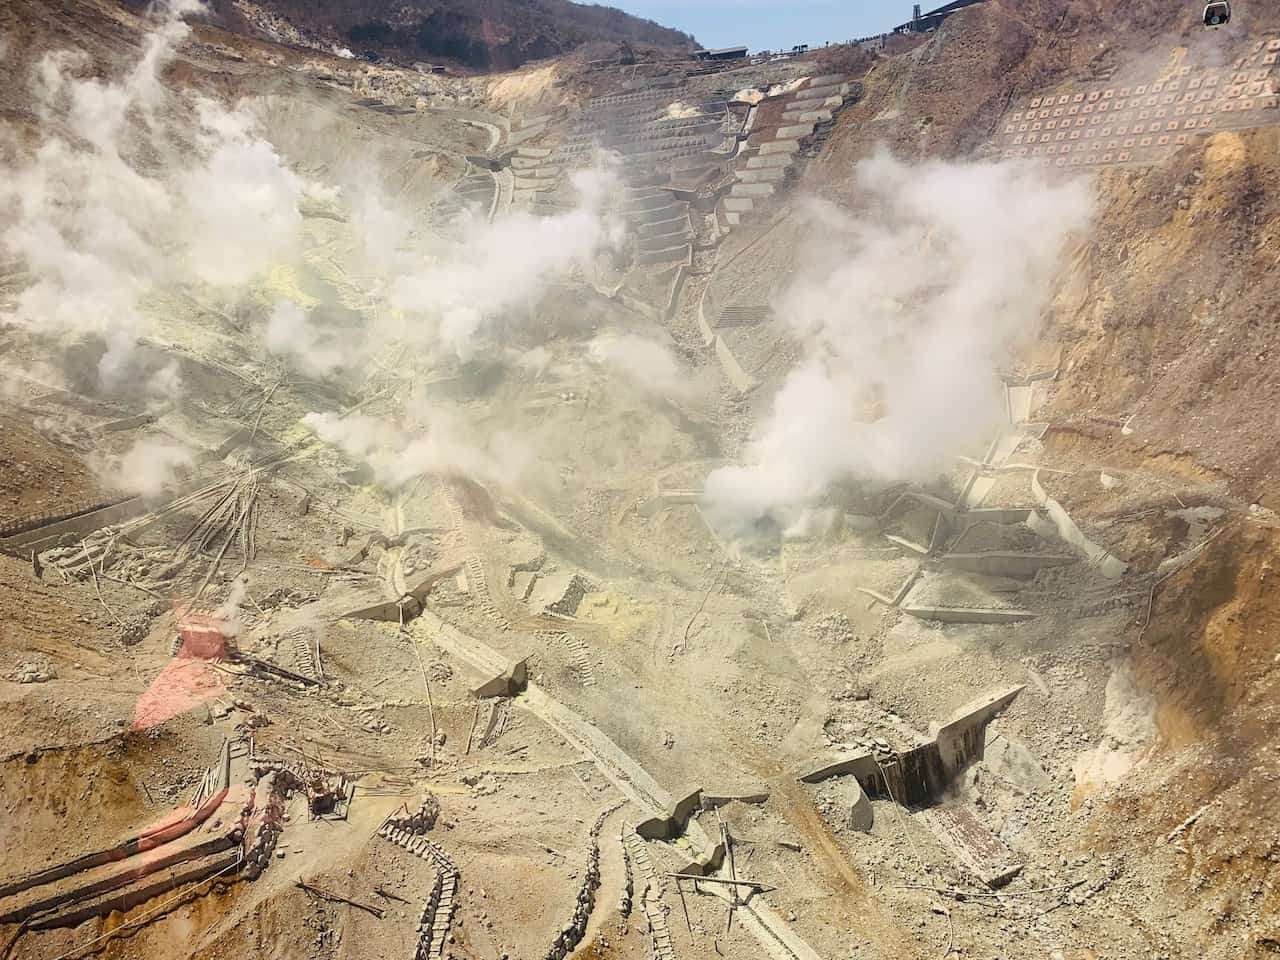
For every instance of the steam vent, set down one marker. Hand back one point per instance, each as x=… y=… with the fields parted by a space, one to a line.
x=523 y=481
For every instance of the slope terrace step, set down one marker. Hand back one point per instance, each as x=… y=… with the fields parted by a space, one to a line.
x=763 y=160
x=664 y=242
x=826 y=90
x=657 y=214
x=681 y=143
x=792 y=132
x=657 y=228
x=667 y=157
x=545 y=172
x=652 y=201
x=670 y=255
x=655 y=131
x=643 y=191
x=805 y=103
x=808 y=116
x=669 y=143
x=639 y=181
x=764 y=175
x=778 y=146
x=815 y=98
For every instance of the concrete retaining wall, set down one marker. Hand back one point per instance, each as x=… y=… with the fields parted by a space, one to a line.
x=972 y=844
x=773 y=159
x=923 y=773
x=673 y=821
x=968 y=614
x=212 y=793
x=24 y=524
x=1005 y=563
x=765 y=175
x=40 y=538
x=859 y=763
x=795 y=132
x=704 y=326
x=677 y=287
x=961 y=740
x=1107 y=564
x=507 y=683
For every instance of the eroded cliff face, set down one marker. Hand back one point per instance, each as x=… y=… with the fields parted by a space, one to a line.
x=1165 y=331
x=481 y=35
x=1196 y=811
x=1169 y=325
x=1132 y=779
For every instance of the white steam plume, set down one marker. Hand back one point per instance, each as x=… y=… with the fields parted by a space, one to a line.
x=146 y=468
x=120 y=196
x=243 y=199
x=534 y=362
x=290 y=333
x=133 y=186
x=444 y=295
x=383 y=228
x=509 y=262
x=905 y=312
x=437 y=441
x=444 y=303
x=227 y=615
x=648 y=364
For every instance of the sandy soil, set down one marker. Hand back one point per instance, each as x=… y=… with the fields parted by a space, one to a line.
x=1146 y=700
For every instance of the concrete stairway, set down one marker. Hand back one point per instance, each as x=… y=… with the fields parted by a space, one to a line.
x=651 y=895
x=479 y=584
x=579 y=653
x=437 y=913
x=806 y=114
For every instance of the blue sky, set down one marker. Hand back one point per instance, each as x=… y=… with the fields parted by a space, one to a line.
x=773 y=24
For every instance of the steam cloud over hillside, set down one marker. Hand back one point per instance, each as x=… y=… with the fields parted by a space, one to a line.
x=109 y=205
x=905 y=310
x=134 y=187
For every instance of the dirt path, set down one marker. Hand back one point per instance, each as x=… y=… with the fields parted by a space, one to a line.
x=616 y=766
x=613 y=878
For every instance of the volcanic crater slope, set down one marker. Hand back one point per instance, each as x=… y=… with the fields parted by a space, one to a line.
x=628 y=506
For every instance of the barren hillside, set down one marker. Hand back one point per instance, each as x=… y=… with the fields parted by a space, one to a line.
x=489 y=35
x=625 y=507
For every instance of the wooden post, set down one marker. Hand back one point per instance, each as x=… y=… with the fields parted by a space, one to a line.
x=475 y=718
x=680 y=890
x=733 y=873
